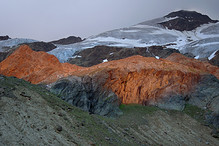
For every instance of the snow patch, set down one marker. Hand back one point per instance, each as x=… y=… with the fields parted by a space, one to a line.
x=168 y=19
x=196 y=57
x=76 y=56
x=129 y=31
x=105 y=60
x=212 y=55
x=157 y=57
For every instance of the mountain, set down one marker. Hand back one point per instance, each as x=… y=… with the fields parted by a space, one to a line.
x=201 y=41
x=68 y=40
x=136 y=79
x=149 y=84
x=186 y=20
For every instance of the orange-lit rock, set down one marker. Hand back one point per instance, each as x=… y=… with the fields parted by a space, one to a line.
x=139 y=79
x=135 y=79
x=194 y=63
x=35 y=67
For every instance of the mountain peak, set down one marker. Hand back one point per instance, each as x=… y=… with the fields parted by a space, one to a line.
x=186 y=20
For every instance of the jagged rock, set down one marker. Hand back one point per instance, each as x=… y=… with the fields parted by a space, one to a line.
x=88 y=94
x=186 y=20
x=215 y=60
x=68 y=40
x=2 y=38
x=96 y=55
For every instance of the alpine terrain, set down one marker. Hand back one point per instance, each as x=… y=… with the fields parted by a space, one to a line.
x=153 y=83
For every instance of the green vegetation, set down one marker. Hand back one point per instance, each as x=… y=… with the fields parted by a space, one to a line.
x=195 y=112
x=132 y=108
x=98 y=129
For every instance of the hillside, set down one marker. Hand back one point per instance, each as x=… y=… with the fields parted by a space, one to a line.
x=34 y=115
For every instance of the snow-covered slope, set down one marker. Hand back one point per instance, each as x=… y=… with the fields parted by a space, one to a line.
x=6 y=44
x=202 y=42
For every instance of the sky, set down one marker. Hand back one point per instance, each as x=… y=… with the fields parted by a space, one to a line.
x=47 y=20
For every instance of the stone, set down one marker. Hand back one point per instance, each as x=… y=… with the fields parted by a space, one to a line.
x=58 y=128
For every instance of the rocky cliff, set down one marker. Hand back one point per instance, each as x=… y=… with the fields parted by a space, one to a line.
x=136 y=79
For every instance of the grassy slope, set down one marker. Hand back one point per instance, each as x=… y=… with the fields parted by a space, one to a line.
x=139 y=125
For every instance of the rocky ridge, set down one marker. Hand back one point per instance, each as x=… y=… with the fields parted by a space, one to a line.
x=136 y=79
x=4 y=38
x=186 y=20
x=68 y=40
x=99 y=54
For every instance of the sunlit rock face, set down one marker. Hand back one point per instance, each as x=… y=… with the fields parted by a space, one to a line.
x=194 y=63
x=136 y=79
x=35 y=67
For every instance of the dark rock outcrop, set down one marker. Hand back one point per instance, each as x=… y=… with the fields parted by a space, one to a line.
x=88 y=94
x=41 y=46
x=206 y=96
x=4 y=55
x=206 y=93
x=2 y=38
x=215 y=60
x=68 y=40
x=186 y=20
x=96 y=55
